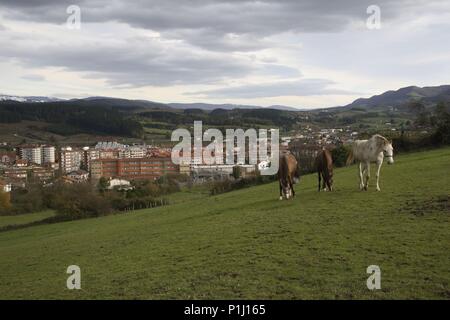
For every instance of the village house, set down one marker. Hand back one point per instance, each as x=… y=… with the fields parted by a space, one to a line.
x=78 y=176
x=121 y=184
x=7 y=157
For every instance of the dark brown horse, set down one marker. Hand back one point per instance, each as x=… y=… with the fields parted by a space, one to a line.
x=324 y=165
x=288 y=175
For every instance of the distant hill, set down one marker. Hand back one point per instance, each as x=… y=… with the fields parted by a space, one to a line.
x=428 y=95
x=118 y=103
x=210 y=107
x=136 y=104
x=392 y=98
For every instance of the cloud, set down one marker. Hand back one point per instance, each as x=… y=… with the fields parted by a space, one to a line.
x=129 y=61
x=303 y=87
x=231 y=25
x=33 y=77
x=261 y=49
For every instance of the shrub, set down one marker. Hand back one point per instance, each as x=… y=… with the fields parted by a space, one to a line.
x=340 y=155
x=226 y=185
x=78 y=201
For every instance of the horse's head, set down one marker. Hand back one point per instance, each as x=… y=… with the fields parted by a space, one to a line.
x=385 y=146
x=286 y=190
x=388 y=151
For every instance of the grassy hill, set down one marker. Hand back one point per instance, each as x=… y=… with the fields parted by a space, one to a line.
x=22 y=219
x=248 y=244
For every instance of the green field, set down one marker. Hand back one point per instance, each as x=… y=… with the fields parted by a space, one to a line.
x=22 y=219
x=248 y=244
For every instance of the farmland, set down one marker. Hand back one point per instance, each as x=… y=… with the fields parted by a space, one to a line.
x=248 y=244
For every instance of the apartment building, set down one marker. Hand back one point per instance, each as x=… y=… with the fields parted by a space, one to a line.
x=48 y=154
x=70 y=159
x=38 y=154
x=16 y=173
x=42 y=174
x=134 y=152
x=31 y=153
x=132 y=168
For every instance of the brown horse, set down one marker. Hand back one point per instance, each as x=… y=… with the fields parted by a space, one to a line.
x=288 y=175
x=324 y=165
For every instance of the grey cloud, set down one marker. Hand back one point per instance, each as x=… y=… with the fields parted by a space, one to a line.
x=33 y=77
x=304 y=87
x=146 y=64
x=208 y=24
x=208 y=35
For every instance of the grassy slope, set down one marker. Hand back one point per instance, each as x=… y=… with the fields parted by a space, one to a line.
x=25 y=218
x=248 y=244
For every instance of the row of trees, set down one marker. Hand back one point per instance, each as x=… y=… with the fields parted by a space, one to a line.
x=237 y=118
x=76 y=201
x=68 y=117
x=238 y=182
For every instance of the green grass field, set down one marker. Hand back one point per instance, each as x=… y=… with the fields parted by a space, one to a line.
x=248 y=244
x=21 y=219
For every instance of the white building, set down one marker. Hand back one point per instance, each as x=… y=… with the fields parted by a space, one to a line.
x=109 y=145
x=39 y=154
x=48 y=154
x=31 y=153
x=119 y=183
x=132 y=152
x=70 y=160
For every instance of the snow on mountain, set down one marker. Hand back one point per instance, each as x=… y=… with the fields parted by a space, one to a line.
x=4 y=97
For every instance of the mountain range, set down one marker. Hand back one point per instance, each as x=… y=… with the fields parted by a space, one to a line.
x=427 y=95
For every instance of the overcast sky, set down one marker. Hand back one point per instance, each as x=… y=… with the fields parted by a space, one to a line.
x=296 y=53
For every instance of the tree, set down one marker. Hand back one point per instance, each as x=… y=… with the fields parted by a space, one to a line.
x=340 y=155
x=442 y=133
x=103 y=184
x=5 y=202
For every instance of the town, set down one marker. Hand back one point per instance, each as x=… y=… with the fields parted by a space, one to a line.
x=120 y=163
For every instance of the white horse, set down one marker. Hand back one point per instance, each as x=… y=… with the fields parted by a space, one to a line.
x=373 y=150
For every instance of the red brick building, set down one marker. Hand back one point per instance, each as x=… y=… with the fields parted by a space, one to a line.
x=132 y=169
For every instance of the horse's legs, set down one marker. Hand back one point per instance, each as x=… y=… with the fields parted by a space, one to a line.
x=291 y=185
x=361 y=184
x=281 y=191
x=378 y=175
x=318 y=175
x=324 y=181
x=367 y=174
x=329 y=184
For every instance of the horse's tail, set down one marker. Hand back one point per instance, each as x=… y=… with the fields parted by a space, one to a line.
x=350 y=158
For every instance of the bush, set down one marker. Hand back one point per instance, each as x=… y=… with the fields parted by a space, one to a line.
x=30 y=199
x=339 y=155
x=5 y=202
x=226 y=185
x=78 y=201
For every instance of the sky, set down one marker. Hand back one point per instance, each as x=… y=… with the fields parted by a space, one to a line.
x=303 y=54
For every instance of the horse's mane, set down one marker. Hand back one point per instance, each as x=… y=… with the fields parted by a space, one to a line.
x=379 y=136
x=380 y=139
